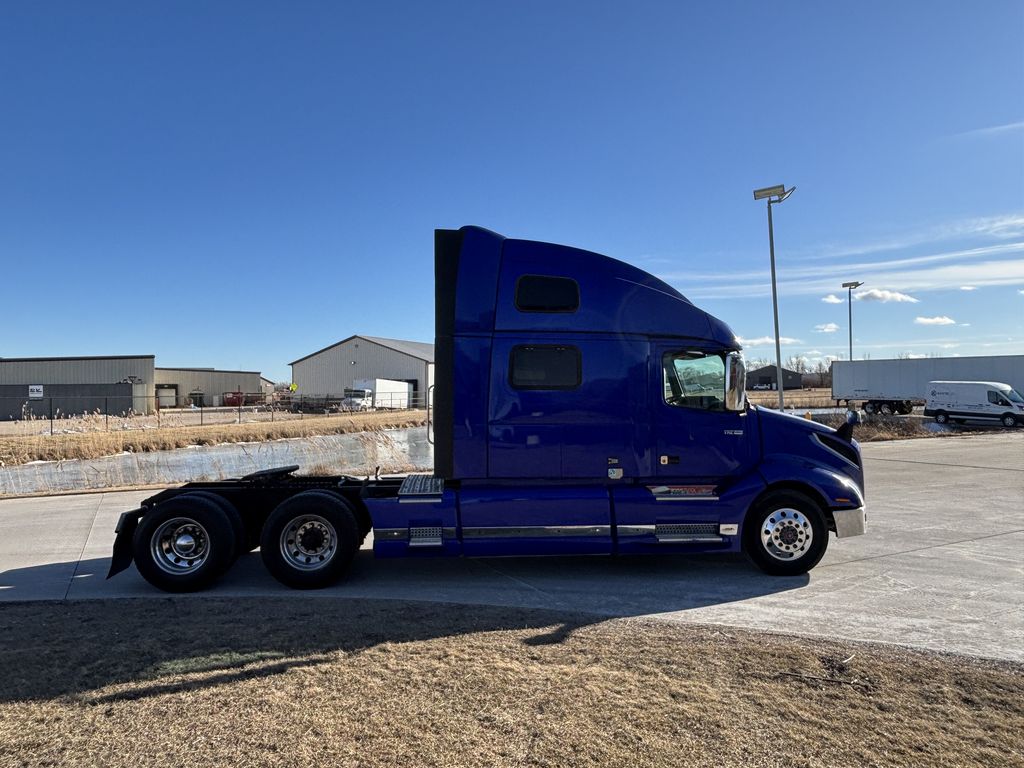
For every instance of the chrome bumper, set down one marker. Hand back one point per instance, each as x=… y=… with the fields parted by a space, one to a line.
x=849 y=522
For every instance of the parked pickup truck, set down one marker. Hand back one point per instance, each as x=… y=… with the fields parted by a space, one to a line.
x=581 y=406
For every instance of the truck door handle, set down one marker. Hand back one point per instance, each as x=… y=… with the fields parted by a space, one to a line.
x=665 y=460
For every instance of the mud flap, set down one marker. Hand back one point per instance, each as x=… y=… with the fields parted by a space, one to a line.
x=122 y=555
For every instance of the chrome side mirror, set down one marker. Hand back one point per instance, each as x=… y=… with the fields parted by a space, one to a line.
x=735 y=383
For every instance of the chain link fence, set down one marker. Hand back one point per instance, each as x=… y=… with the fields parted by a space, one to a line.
x=76 y=414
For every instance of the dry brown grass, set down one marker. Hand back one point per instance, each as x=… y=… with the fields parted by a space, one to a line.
x=877 y=428
x=331 y=682
x=794 y=398
x=92 y=445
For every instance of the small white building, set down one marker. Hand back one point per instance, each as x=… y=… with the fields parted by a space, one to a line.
x=331 y=370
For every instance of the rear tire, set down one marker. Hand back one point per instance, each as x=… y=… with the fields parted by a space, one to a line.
x=941 y=417
x=885 y=409
x=785 y=534
x=241 y=542
x=869 y=408
x=184 y=545
x=309 y=540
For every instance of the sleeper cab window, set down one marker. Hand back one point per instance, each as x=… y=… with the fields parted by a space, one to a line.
x=545 y=366
x=540 y=293
x=694 y=380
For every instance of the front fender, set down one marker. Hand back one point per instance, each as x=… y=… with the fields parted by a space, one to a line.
x=837 y=490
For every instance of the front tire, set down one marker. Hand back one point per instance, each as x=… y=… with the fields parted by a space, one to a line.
x=1009 y=420
x=785 y=534
x=184 y=545
x=309 y=540
x=941 y=417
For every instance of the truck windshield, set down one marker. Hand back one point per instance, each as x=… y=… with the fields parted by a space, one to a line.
x=694 y=380
x=1013 y=396
x=357 y=393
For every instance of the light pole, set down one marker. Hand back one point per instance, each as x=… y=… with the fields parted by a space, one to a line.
x=849 y=303
x=775 y=194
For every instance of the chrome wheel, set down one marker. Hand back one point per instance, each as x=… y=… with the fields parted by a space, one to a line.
x=308 y=542
x=786 y=534
x=180 y=545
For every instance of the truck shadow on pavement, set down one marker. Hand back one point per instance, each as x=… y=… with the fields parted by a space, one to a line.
x=122 y=639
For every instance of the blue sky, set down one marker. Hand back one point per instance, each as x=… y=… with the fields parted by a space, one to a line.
x=240 y=184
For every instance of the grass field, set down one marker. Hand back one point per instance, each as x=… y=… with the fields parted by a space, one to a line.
x=92 y=445
x=305 y=681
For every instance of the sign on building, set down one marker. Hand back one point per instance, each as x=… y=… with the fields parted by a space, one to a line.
x=35 y=391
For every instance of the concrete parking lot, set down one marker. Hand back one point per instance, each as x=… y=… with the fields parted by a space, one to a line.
x=941 y=567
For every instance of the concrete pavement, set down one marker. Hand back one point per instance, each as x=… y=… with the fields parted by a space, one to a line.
x=941 y=567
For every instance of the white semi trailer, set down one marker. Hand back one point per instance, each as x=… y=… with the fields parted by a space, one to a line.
x=896 y=386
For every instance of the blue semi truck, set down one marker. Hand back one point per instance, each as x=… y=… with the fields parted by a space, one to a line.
x=581 y=407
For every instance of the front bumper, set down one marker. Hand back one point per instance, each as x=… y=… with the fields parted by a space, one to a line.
x=849 y=522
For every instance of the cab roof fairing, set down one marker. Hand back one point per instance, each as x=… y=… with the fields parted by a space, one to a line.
x=615 y=297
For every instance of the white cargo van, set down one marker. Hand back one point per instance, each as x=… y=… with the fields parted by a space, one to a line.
x=959 y=401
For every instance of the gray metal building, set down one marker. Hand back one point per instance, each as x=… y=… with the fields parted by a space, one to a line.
x=329 y=371
x=39 y=386
x=768 y=376
x=183 y=387
x=75 y=384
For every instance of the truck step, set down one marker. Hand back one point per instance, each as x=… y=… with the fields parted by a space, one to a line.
x=426 y=537
x=422 y=485
x=676 y=533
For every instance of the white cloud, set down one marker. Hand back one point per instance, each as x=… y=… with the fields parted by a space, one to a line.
x=965 y=325
x=764 y=341
x=826 y=328
x=814 y=353
x=884 y=296
x=994 y=130
x=968 y=288
x=1000 y=227
x=919 y=273
x=1021 y=291
x=940 y=320
x=833 y=299
x=913 y=356
x=949 y=346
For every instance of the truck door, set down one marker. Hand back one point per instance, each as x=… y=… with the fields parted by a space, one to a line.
x=696 y=439
x=699 y=449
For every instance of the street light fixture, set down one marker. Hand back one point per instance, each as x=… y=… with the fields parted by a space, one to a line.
x=849 y=303
x=775 y=194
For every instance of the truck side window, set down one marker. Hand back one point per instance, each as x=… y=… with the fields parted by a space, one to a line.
x=694 y=380
x=545 y=367
x=540 y=293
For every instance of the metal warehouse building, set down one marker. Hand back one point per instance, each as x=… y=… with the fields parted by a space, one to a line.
x=49 y=386
x=66 y=385
x=768 y=376
x=203 y=387
x=331 y=370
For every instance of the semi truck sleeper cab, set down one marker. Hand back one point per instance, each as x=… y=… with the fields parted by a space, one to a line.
x=581 y=406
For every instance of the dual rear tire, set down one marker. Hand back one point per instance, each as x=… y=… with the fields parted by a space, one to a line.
x=188 y=542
